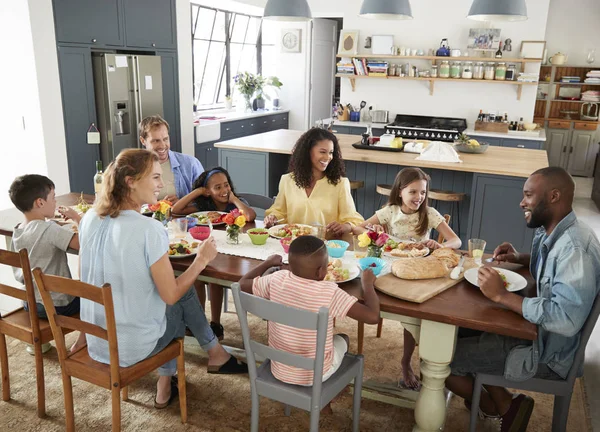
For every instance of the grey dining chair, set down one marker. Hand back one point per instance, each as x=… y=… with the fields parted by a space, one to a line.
x=561 y=389
x=259 y=203
x=263 y=383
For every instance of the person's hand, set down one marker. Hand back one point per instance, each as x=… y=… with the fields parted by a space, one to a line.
x=231 y=198
x=274 y=261
x=432 y=244
x=207 y=251
x=377 y=228
x=270 y=221
x=171 y=198
x=201 y=191
x=368 y=278
x=338 y=229
x=69 y=213
x=506 y=252
x=491 y=284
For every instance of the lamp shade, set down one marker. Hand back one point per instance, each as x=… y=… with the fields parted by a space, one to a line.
x=498 y=10
x=386 y=9
x=287 y=10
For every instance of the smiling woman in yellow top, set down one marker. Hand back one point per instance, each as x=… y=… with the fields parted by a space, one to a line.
x=315 y=190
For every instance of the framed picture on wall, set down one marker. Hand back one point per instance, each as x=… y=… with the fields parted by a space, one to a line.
x=290 y=40
x=348 y=42
x=533 y=50
x=484 y=39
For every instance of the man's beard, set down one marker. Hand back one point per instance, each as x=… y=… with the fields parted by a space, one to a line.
x=539 y=215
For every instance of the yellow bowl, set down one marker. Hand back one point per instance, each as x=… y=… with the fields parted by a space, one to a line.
x=530 y=126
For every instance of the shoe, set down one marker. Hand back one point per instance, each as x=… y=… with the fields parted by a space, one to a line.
x=45 y=348
x=517 y=416
x=174 y=394
x=218 y=330
x=231 y=366
x=481 y=414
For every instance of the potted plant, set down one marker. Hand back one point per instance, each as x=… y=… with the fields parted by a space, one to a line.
x=228 y=102
x=251 y=85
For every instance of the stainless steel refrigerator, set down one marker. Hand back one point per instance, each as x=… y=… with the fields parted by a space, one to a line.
x=127 y=89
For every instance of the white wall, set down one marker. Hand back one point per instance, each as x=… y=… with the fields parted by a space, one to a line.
x=573 y=29
x=184 y=58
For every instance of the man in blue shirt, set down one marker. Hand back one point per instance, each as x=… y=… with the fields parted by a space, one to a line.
x=565 y=261
x=179 y=171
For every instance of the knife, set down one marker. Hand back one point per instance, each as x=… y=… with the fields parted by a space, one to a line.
x=456 y=271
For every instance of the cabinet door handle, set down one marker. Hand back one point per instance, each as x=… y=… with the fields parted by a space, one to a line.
x=273 y=120
x=226 y=129
x=153 y=44
x=94 y=40
x=564 y=149
x=520 y=146
x=251 y=124
x=242 y=126
x=571 y=150
x=265 y=122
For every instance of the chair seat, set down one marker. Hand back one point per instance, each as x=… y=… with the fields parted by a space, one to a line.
x=356 y=184
x=299 y=396
x=441 y=195
x=17 y=324
x=81 y=365
x=384 y=189
x=555 y=387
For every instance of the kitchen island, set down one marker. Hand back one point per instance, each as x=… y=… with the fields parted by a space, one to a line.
x=492 y=181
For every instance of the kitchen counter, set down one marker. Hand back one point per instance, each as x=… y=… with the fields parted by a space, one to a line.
x=231 y=116
x=517 y=135
x=492 y=182
x=514 y=162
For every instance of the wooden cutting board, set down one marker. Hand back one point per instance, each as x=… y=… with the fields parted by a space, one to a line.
x=417 y=291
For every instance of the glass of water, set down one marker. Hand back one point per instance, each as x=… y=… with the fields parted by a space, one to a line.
x=476 y=249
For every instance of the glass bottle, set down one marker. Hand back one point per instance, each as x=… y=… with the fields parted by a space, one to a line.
x=434 y=71
x=467 y=72
x=511 y=72
x=478 y=70
x=455 y=70
x=98 y=178
x=591 y=57
x=445 y=69
x=489 y=71
x=520 y=126
x=499 y=52
x=500 y=72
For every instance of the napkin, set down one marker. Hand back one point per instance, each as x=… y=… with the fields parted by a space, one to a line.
x=438 y=151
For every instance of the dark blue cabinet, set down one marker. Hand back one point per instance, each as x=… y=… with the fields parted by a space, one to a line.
x=170 y=83
x=510 y=142
x=90 y=22
x=150 y=23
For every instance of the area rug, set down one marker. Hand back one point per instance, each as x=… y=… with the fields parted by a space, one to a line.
x=222 y=403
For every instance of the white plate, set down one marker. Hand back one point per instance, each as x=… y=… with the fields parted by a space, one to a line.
x=516 y=282
x=185 y=256
x=204 y=213
x=389 y=254
x=353 y=269
x=273 y=230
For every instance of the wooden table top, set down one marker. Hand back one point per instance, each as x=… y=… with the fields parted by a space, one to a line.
x=514 y=162
x=462 y=305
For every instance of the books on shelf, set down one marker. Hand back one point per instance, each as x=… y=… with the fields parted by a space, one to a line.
x=362 y=66
x=528 y=77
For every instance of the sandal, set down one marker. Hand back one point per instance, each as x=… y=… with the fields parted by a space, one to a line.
x=231 y=366
x=174 y=394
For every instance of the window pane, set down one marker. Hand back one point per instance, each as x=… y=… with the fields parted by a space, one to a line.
x=219 y=31
x=240 y=25
x=204 y=26
x=243 y=58
x=212 y=75
x=253 y=29
x=200 y=56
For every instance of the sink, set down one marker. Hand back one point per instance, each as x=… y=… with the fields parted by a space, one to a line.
x=208 y=131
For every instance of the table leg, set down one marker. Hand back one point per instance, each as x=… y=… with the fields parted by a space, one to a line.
x=436 y=350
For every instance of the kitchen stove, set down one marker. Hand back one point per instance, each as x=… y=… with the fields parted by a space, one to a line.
x=428 y=128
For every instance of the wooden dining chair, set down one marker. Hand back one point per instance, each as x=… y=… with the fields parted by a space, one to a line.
x=23 y=325
x=80 y=365
x=361 y=326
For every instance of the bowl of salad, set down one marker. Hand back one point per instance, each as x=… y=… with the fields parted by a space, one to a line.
x=375 y=264
x=258 y=236
x=336 y=248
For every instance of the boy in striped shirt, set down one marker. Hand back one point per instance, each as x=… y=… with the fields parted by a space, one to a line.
x=303 y=287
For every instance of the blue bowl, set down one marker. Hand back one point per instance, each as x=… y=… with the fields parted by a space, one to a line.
x=337 y=252
x=367 y=263
x=192 y=222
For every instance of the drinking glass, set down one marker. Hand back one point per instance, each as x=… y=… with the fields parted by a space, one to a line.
x=179 y=228
x=476 y=248
x=359 y=252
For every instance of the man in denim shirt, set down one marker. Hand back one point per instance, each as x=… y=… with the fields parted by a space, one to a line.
x=565 y=261
x=179 y=171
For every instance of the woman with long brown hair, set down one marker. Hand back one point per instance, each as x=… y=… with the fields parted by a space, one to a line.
x=122 y=247
x=407 y=216
x=316 y=189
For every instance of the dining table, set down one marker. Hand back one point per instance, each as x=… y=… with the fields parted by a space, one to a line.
x=434 y=323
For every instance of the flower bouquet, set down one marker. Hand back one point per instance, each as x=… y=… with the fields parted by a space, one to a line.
x=235 y=220
x=250 y=85
x=161 y=210
x=374 y=242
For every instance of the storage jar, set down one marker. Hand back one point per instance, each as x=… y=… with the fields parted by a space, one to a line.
x=444 y=69
x=478 y=70
x=467 y=72
x=511 y=72
x=489 y=71
x=501 y=71
x=434 y=71
x=455 y=70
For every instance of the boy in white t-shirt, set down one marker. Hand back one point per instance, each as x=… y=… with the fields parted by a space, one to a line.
x=304 y=287
x=46 y=241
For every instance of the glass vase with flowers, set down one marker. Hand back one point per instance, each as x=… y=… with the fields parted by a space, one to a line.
x=374 y=242
x=235 y=221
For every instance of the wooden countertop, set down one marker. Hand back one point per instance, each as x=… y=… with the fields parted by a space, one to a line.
x=513 y=162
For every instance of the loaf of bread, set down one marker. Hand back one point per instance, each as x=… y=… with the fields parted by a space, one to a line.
x=420 y=268
x=450 y=258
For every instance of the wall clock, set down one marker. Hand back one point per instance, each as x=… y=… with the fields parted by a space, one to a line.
x=290 y=40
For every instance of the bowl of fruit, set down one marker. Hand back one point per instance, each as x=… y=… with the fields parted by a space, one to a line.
x=258 y=236
x=465 y=144
x=336 y=248
x=375 y=264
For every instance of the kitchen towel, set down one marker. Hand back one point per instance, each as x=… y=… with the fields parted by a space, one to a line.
x=438 y=151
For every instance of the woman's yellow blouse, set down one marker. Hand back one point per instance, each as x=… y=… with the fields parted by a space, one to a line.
x=327 y=203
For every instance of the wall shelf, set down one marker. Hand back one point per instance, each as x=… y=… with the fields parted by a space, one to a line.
x=432 y=81
x=435 y=58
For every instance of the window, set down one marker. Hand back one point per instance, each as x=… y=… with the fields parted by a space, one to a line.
x=218 y=55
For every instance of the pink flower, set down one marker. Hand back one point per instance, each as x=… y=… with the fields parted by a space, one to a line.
x=235 y=213
x=381 y=240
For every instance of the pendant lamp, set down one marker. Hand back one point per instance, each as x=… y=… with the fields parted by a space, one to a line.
x=386 y=9
x=498 y=10
x=287 y=10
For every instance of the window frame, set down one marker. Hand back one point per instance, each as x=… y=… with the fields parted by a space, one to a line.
x=226 y=70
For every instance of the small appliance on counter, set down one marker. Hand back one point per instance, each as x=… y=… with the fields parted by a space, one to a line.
x=379 y=116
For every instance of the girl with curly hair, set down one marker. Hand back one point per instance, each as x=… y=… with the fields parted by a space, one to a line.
x=315 y=190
